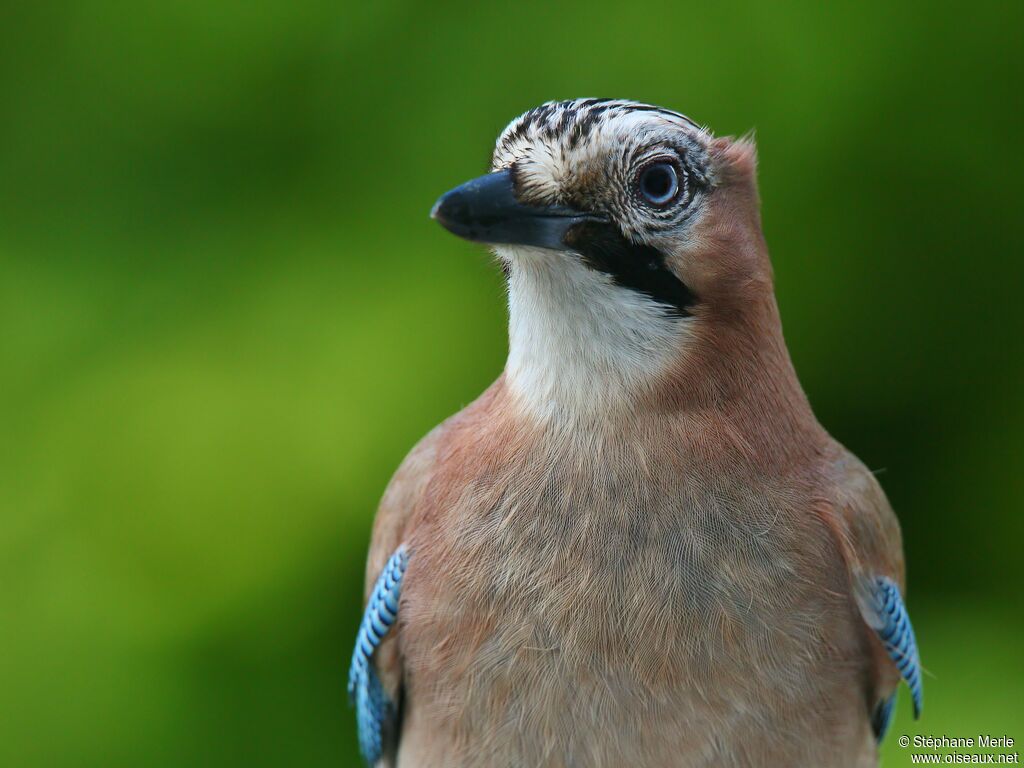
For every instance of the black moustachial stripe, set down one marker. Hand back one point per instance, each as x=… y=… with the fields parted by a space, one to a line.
x=639 y=267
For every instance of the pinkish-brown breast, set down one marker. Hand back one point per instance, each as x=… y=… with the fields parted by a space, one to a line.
x=646 y=593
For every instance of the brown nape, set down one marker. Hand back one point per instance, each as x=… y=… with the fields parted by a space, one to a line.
x=727 y=261
x=736 y=361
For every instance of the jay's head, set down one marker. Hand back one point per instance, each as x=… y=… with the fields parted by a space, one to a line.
x=639 y=194
x=619 y=221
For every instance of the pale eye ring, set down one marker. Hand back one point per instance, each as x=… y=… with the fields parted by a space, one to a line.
x=659 y=183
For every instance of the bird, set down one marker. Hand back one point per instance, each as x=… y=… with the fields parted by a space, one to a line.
x=638 y=547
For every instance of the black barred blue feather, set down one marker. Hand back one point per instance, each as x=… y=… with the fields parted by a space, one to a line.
x=885 y=612
x=374 y=710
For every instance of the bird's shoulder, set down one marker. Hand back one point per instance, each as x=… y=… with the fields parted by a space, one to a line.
x=382 y=685
x=409 y=491
x=872 y=546
x=864 y=520
x=400 y=498
x=870 y=543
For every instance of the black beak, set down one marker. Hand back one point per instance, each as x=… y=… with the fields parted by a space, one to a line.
x=485 y=210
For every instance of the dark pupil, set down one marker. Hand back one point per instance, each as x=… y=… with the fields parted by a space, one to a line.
x=657 y=182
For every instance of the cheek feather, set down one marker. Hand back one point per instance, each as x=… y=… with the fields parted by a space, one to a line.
x=641 y=268
x=579 y=344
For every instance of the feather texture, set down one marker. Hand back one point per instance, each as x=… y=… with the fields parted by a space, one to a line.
x=373 y=707
x=638 y=547
x=882 y=717
x=886 y=613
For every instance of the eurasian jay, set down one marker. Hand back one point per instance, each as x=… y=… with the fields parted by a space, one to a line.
x=638 y=547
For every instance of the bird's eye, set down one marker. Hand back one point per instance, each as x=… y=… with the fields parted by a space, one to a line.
x=659 y=183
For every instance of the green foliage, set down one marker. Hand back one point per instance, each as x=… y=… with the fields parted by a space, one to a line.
x=225 y=316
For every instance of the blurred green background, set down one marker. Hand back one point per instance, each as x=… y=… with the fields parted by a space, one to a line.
x=225 y=317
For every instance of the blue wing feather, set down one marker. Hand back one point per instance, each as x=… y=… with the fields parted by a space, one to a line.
x=374 y=710
x=888 y=616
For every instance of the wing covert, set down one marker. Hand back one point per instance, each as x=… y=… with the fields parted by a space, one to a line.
x=883 y=609
x=374 y=709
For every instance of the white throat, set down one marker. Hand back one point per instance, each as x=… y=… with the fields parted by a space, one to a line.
x=579 y=344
